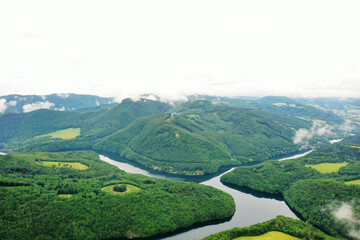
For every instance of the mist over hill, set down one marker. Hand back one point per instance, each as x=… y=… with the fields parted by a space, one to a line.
x=62 y=102
x=197 y=136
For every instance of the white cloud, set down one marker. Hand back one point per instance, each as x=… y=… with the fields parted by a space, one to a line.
x=3 y=105
x=60 y=109
x=343 y=212
x=37 y=105
x=12 y=103
x=303 y=136
x=97 y=103
x=63 y=95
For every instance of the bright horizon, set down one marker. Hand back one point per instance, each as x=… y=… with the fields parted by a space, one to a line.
x=177 y=48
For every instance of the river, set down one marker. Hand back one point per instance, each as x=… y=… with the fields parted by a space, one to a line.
x=251 y=206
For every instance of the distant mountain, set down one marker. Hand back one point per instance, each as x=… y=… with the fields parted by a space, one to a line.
x=15 y=128
x=348 y=108
x=288 y=105
x=200 y=138
x=282 y=109
x=193 y=137
x=61 y=102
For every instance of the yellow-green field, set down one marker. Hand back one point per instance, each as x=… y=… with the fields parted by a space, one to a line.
x=354 y=182
x=74 y=165
x=316 y=122
x=274 y=235
x=68 y=133
x=355 y=146
x=327 y=167
x=279 y=104
x=193 y=116
x=129 y=189
x=65 y=195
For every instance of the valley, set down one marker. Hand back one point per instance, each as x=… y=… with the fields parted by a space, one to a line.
x=235 y=163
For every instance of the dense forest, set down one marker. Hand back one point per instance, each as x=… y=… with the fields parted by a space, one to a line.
x=48 y=191
x=329 y=205
x=71 y=195
x=307 y=190
x=286 y=225
x=191 y=138
x=16 y=103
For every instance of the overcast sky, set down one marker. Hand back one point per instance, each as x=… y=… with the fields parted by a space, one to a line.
x=112 y=48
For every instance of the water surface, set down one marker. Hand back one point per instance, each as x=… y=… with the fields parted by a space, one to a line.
x=251 y=206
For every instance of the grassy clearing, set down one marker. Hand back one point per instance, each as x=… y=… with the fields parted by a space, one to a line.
x=193 y=116
x=355 y=146
x=64 y=134
x=73 y=165
x=129 y=189
x=65 y=195
x=279 y=104
x=354 y=182
x=327 y=167
x=274 y=235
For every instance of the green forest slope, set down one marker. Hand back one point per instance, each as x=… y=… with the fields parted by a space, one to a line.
x=314 y=195
x=62 y=202
x=282 y=224
x=200 y=138
x=193 y=138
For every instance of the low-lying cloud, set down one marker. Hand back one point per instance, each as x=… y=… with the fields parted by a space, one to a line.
x=4 y=104
x=37 y=105
x=166 y=98
x=63 y=95
x=343 y=212
x=303 y=135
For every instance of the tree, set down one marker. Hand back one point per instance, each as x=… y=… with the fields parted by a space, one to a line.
x=120 y=188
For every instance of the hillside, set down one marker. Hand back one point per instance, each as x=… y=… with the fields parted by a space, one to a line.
x=290 y=106
x=71 y=195
x=62 y=102
x=194 y=137
x=292 y=112
x=200 y=138
x=24 y=128
x=292 y=227
x=315 y=185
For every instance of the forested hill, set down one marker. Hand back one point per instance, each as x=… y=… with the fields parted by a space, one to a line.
x=74 y=195
x=283 y=109
x=195 y=137
x=25 y=128
x=62 y=102
x=318 y=186
x=290 y=229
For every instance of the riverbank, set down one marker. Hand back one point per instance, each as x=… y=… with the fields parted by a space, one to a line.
x=251 y=208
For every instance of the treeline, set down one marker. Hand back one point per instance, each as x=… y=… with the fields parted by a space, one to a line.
x=198 y=139
x=283 y=224
x=329 y=205
x=306 y=190
x=32 y=206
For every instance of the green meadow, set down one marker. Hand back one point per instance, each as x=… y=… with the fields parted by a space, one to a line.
x=65 y=195
x=327 y=167
x=68 y=133
x=274 y=235
x=354 y=182
x=73 y=165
